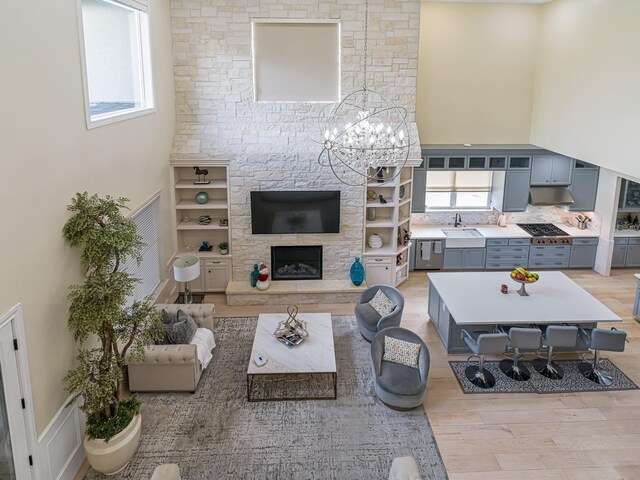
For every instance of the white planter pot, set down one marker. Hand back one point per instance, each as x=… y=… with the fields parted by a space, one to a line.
x=110 y=458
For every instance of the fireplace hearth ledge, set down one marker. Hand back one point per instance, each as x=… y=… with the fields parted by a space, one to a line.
x=301 y=292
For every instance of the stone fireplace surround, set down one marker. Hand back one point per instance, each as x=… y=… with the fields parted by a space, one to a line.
x=270 y=145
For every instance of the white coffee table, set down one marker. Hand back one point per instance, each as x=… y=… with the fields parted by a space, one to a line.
x=314 y=356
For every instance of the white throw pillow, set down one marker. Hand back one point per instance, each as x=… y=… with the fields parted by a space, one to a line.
x=401 y=351
x=382 y=304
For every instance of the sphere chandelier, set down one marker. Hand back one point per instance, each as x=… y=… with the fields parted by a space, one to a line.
x=363 y=133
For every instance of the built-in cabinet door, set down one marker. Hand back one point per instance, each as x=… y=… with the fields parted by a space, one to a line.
x=541 y=170
x=619 y=256
x=474 y=258
x=516 y=191
x=443 y=322
x=215 y=277
x=378 y=271
x=453 y=259
x=197 y=285
x=562 y=170
x=584 y=189
x=434 y=305
x=633 y=256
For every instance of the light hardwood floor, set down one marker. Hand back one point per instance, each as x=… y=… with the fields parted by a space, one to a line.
x=524 y=436
x=581 y=436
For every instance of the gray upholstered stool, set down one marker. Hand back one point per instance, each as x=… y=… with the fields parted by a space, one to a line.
x=520 y=339
x=555 y=336
x=601 y=340
x=481 y=344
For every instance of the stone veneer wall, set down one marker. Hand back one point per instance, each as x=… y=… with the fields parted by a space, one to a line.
x=269 y=145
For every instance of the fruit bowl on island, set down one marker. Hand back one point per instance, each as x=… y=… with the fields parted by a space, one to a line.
x=523 y=277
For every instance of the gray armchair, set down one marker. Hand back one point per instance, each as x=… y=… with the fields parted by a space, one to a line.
x=369 y=321
x=398 y=386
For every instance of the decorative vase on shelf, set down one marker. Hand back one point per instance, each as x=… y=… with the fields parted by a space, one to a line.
x=202 y=198
x=374 y=241
x=357 y=273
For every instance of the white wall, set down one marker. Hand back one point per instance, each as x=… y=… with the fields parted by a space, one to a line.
x=476 y=72
x=587 y=91
x=48 y=155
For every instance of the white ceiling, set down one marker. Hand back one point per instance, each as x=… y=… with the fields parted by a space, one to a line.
x=490 y=1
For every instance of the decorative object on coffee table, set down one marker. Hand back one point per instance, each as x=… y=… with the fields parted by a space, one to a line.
x=357 y=272
x=224 y=248
x=292 y=331
x=374 y=241
x=263 y=277
x=202 y=198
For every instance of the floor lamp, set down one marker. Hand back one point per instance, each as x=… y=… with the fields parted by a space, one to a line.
x=185 y=270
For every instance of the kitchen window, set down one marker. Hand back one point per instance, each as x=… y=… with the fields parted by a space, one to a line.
x=448 y=190
x=116 y=60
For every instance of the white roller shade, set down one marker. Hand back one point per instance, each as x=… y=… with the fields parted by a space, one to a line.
x=456 y=181
x=148 y=271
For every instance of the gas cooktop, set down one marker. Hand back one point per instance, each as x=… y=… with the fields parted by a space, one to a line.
x=546 y=233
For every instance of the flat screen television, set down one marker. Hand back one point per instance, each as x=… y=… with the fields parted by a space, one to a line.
x=295 y=212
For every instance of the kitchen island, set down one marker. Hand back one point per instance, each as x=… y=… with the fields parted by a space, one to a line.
x=473 y=301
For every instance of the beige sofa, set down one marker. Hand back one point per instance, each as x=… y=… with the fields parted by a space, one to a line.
x=171 y=367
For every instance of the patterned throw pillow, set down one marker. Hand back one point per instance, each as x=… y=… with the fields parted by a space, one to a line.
x=382 y=304
x=181 y=331
x=401 y=351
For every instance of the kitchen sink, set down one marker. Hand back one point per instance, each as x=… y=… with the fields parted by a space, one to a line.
x=464 y=238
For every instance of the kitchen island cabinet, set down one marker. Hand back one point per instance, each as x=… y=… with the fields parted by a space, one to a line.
x=473 y=301
x=636 y=307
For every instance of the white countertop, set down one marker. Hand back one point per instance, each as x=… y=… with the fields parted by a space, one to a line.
x=474 y=298
x=419 y=231
x=627 y=233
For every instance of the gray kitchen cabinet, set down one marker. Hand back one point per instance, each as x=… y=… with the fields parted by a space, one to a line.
x=506 y=255
x=478 y=163
x=584 y=189
x=419 y=191
x=497 y=162
x=474 y=258
x=619 y=252
x=629 y=196
x=636 y=307
x=516 y=191
x=464 y=258
x=434 y=305
x=549 y=170
x=549 y=256
x=633 y=256
x=436 y=163
x=453 y=259
x=583 y=253
x=519 y=162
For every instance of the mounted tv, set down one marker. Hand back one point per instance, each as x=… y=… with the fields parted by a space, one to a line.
x=295 y=212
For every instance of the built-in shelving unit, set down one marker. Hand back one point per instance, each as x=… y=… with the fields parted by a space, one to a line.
x=215 y=269
x=388 y=264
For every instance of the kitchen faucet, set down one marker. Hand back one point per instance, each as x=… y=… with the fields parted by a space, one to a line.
x=457 y=220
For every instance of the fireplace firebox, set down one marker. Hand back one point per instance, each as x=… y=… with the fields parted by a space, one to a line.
x=296 y=262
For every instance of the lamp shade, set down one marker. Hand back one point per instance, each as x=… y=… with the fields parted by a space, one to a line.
x=186 y=269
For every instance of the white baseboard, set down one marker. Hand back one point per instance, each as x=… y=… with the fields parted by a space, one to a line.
x=60 y=446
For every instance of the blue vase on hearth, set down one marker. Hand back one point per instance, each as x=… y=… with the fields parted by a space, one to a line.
x=357 y=273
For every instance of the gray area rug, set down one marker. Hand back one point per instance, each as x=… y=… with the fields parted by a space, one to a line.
x=216 y=434
x=573 y=380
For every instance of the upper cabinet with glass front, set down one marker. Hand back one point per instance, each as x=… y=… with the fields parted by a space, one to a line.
x=629 y=196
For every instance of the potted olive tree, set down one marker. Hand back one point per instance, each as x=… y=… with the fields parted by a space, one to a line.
x=107 y=328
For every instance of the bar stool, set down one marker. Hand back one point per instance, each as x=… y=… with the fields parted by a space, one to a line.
x=601 y=340
x=520 y=338
x=555 y=336
x=481 y=344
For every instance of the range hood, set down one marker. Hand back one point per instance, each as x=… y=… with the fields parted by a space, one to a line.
x=550 y=196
